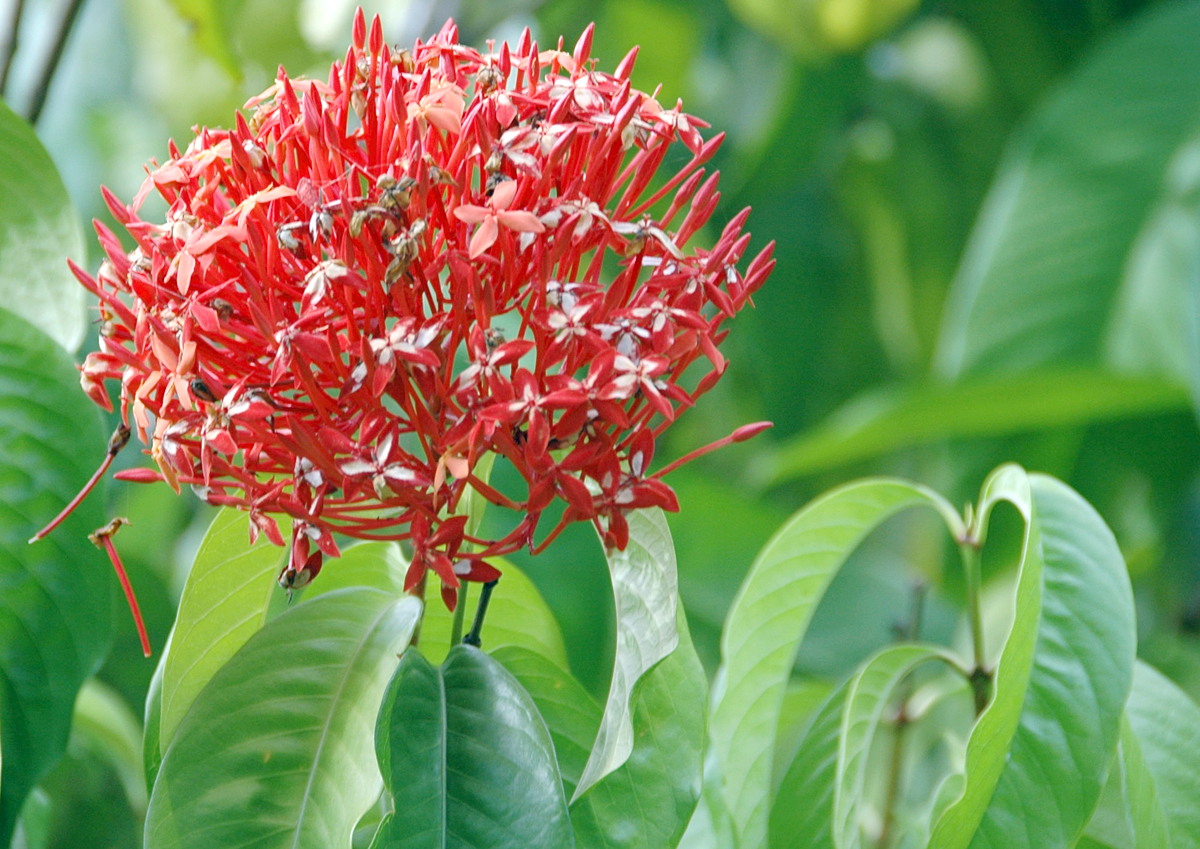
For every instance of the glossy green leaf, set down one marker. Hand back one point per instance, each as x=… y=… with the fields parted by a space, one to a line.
x=988 y=745
x=517 y=615
x=38 y=232
x=768 y=620
x=571 y=714
x=56 y=597
x=1166 y=726
x=276 y=750
x=1082 y=670
x=646 y=590
x=1040 y=277
x=890 y=419
x=467 y=758
x=224 y=602
x=647 y=802
x=802 y=813
x=871 y=692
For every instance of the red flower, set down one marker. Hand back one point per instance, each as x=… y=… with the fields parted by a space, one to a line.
x=374 y=281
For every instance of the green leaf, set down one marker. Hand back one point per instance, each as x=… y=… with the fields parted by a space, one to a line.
x=152 y=748
x=380 y=565
x=1042 y=271
x=517 y=615
x=224 y=602
x=276 y=750
x=880 y=421
x=1166 y=726
x=871 y=691
x=646 y=591
x=211 y=22
x=38 y=232
x=1129 y=815
x=802 y=814
x=988 y=745
x=1082 y=671
x=767 y=621
x=647 y=802
x=56 y=597
x=571 y=714
x=105 y=726
x=467 y=758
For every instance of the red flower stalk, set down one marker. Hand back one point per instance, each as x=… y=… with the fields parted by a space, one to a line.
x=102 y=538
x=375 y=281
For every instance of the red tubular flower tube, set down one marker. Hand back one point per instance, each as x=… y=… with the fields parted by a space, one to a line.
x=372 y=282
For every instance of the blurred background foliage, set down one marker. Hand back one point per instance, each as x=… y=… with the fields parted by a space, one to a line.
x=987 y=219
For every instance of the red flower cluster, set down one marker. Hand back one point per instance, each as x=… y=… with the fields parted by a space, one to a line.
x=371 y=283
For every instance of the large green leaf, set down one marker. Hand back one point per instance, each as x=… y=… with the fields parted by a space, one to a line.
x=152 y=750
x=871 y=691
x=56 y=597
x=768 y=620
x=646 y=591
x=571 y=714
x=1166 y=726
x=1129 y=815
x=38 y=232
x=467 y=758
x=647 y=802
x=1041 y=275
x=224 y=602
x=1082 y=670
x=276 y=750
x=104 y=726
x=802 y=814
x=991 y=737
x=886 y=420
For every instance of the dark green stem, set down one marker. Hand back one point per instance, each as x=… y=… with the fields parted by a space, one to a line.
x=980 y=678
x=65 y=24
x=911 y=632
x=10 y=49
x=473 y=638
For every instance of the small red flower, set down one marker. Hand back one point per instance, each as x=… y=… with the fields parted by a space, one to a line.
x=370 y=283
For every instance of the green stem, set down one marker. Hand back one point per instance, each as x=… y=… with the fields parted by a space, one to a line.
x=980 y=677
x=460 y=612
x=10 y=48
x=419 y=592
x=65 y=24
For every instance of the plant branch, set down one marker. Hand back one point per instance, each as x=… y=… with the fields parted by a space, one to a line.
x=473 y=638
x=910 y=633
x=65 y=24
x=460 y=612
x=10 y=47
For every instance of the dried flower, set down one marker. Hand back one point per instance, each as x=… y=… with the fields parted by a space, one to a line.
x=437 y=254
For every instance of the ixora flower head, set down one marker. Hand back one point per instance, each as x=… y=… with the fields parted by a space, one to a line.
x=372 y=283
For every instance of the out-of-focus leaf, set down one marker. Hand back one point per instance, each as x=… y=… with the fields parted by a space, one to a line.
x=38 y=232
x=1041 y=275
x=104 y=726
x=647 y=802
x=56 y=597
x=276 y=750
x=768 y=620
x=517 y=615
x=211 y=22
x=992 y=735
x=1166 y=725
x=380 y=565
x=871 y=691
x=902 y=417
x=800 y=703
x=645 y=586
x=224 y=602
x=802 y=814
x=1129 y=815
x=467 y=758
x=1082 y=670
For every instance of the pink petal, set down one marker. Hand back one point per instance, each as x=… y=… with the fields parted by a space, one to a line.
x=523 y=222
x=471 y=214
x=503 y=195
x=484 y=237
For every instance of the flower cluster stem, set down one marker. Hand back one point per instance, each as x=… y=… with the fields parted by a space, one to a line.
x=460 y=612
x=10 y=47
x=473 y=638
